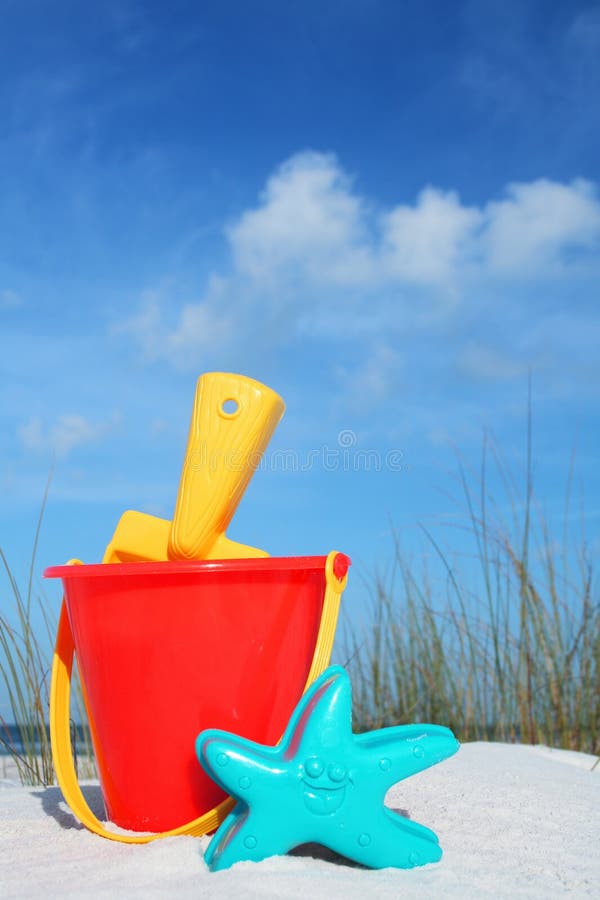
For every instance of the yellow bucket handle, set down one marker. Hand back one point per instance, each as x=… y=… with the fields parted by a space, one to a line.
x=60 y=731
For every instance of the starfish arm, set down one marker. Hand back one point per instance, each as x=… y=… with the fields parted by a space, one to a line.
x=234 y=841
x=251 y=835
x=216 y=855
x=403 y=750
x=323 y=718
x=384 y=840
x=236 y=764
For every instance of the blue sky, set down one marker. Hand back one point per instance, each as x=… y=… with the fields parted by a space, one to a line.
x=387 y=211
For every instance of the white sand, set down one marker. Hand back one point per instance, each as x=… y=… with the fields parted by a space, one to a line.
x=513 y=821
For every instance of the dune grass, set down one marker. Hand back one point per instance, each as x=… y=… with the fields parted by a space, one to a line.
x=502 y=644
x=25 y=668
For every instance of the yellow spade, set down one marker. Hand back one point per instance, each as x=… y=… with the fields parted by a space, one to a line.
x=232 y=422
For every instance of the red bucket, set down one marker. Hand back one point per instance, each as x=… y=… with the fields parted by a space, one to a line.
x=168 y=649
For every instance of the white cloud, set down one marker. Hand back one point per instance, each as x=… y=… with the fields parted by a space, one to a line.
x=69 y=431
x=371 y=381
x=200 y=327
x=314 y=256
x=146 y=326
x=72 y=431
x=310 y=220
x=427 y=242
x=31 y=434
x=10 y=299
x=310 y=223
x=537 y=222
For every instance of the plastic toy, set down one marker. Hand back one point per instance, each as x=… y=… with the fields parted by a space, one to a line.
x=188 y=628
x=164 y=646
x=232 y=422
x=323 y=784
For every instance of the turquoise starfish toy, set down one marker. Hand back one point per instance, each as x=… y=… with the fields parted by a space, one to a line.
x=323 y=784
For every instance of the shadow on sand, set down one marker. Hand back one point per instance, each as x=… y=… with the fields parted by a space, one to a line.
x=54 y=805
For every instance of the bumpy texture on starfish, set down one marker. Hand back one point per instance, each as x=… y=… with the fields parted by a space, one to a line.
x=323 y=784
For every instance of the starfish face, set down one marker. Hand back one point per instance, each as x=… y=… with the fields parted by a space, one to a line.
x=323 y=784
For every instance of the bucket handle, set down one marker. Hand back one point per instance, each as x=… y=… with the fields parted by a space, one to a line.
x=336 y=567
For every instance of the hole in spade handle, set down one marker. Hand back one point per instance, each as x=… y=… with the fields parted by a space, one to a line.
x=229 y=408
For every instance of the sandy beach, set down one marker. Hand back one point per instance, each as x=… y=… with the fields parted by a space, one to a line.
x=512 y=821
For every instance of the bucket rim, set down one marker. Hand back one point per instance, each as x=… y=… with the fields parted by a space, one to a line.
x=170 y=567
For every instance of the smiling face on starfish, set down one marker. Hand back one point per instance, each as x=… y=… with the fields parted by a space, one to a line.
x=324 y=785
